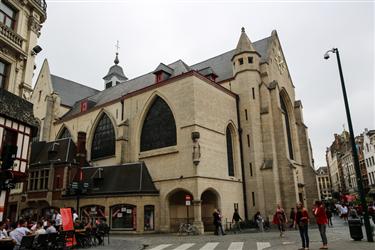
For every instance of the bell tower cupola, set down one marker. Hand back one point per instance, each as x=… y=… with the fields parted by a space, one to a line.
x=115 y=75
x=245 y=56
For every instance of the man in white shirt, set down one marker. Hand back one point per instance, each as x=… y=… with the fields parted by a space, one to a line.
x=19 y=232
x=50 y=228
x=57 y=218
x=75 y=215
x=39 y=228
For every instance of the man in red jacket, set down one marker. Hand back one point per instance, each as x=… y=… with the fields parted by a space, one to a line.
x=322 y=221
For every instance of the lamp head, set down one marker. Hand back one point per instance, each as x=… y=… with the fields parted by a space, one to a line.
x=36 y=50
x=326 y=55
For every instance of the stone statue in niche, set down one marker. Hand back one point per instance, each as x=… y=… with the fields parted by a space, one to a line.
x=196 y=148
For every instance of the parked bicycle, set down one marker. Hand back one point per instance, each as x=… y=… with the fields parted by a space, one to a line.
x=188 y=229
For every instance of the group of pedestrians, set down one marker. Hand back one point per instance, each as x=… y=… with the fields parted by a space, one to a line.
x=300 y=219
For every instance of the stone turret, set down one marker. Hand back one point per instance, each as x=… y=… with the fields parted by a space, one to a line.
x=115 y=75
x=245 y=56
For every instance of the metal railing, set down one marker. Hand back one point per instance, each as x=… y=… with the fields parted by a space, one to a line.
x=41 y=3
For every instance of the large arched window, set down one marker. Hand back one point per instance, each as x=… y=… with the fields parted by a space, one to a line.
x=103 y=143
x=159 y=127
x=287 y=124
x=64 y=134
x=230 y=152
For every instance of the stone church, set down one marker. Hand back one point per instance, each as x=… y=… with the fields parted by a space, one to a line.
x=224 y=133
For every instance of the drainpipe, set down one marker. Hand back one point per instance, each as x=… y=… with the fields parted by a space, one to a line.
x=241 y=153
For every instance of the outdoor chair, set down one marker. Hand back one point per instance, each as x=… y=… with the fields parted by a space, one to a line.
x=41 y=242
x=27 y=242
x=52 y=238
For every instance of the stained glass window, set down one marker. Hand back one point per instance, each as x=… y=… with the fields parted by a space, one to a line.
x=159 y=127
x=230 y=153
x=287 y=124
x=103 y=143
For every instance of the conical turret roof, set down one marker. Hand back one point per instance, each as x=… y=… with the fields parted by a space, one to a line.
x=244 y=44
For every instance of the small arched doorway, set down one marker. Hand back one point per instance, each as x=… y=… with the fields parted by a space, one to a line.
x=178 y=211
x=210 y=201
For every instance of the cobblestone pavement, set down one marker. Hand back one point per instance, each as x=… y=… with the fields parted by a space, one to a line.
x=338 y=238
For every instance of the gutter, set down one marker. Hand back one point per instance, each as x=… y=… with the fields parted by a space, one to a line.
x=241 y=153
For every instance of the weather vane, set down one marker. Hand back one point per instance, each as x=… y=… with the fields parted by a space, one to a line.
x=117 y=46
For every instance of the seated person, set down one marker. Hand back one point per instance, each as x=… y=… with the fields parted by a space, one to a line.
x=3 y=231
x=50 y=228
x=19 y=232
x=39 y=228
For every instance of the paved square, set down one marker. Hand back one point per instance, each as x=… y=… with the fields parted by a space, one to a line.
x=338 y=238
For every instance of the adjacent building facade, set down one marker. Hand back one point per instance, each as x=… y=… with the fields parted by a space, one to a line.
x=223 y=133
x=341 y=165
x=20 y=24
x=369 y=157
x=324 y=183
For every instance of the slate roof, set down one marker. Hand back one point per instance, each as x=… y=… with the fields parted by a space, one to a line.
x=132 y=178
x=17 y=108
x=221 y=65
x=322 y=171
x=69 y=91
x=163 y=67
x=65 y=152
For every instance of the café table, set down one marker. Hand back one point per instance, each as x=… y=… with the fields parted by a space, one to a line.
x=7 y=244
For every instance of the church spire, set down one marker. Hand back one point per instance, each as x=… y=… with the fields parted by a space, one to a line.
x=244 y=44
x=116 y=61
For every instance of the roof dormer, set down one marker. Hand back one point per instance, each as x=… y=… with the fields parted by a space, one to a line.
x=209 y=73
x=162 y=72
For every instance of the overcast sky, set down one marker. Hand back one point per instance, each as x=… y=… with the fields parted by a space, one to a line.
x=79 y=38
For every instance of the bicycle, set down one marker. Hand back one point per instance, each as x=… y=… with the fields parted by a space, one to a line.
x=188 y=229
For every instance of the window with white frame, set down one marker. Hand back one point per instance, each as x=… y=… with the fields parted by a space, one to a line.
x=38 y=179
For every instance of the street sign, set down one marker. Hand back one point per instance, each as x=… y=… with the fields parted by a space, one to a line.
x=187 y=200
x=75 y=185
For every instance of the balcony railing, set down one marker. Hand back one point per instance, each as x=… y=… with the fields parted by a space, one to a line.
x=41 y=3
x=11 y=35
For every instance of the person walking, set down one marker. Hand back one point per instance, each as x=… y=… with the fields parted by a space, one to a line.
x=344 y=212
x=236 y=220
x=329 y=216
x=301 y=220
x=217 y=222
x=258 y=219
x=322 y=221
x=291 y=217
x=279 y=219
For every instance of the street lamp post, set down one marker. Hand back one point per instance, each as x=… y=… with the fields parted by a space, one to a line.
x=354 y=148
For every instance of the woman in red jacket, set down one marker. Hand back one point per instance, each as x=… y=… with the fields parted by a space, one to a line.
x=301 y=219
x=322 y=221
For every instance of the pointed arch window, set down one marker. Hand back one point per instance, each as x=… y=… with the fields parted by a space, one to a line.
x=103 y=143
x=287 y=125
x=64 y=134
x=159 y=127
x=230 y=152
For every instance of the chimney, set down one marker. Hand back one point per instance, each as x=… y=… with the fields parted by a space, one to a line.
x=81 y=144
x=81 y=154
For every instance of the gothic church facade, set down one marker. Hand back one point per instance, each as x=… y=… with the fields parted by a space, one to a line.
x=224 y=133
